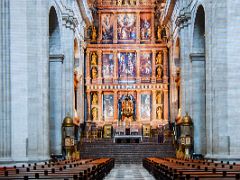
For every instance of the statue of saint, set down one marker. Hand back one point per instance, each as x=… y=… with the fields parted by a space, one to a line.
x=159 y=112
x=159 y=98
x=159 y=58
x=94 y=72
x=94 y=113
x=119 y=2
x=94 y=34
x=159 y=72
x=159 y=30
x=132 y=2
x=94 y=59
x=94 y=99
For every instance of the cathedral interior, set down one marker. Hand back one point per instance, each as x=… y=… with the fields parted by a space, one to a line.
x=119 y=89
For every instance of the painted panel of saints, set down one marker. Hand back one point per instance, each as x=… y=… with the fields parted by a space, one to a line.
x=145 y=23
x=107 y=65
x=145 y=106
x=126 y=64
x=108 y=105
x=146 y=64
x=126 y=27
x=107 y=26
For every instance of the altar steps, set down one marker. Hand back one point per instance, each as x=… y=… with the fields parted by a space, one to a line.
x=126 y=153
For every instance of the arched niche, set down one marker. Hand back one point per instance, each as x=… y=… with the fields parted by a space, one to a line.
x=199 y=82
x=55 y=84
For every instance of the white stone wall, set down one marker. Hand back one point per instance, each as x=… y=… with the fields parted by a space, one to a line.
x=220 y=138
x=25 y=117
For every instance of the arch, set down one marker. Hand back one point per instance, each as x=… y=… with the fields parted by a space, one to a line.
x=54 y=32
x=199 y=82
x=199 y=31
x=55 y=83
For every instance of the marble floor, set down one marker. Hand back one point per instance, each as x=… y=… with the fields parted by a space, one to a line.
x=129 y=172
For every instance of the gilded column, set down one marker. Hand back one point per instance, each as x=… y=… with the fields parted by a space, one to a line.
x=165 y=105
x=138 y=67
x=115 y=101
x=138 y=106
x=89 y=106
x=88 y=67
x=153 y=116
x=100 y=117
x=138 y=28
x=115 y=59
x=115 y=38
x=99 y=52
x=165 y=66
x=153 y=29
x=153 y=66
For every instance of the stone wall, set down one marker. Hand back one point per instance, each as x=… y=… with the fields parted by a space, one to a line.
x=210 y=97
x=25 y=68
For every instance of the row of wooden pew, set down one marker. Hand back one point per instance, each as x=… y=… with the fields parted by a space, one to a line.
x=89 y=169
x=178 y=169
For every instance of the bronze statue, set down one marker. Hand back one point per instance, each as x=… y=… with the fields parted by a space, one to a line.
x=159 y=72
x=159 y=58
x=159 y=112
x=94 y=99
x=94 y=34
x=159 y=36
x=94 y=113
x=94 y=72
x=159 y=98
x=94 y=59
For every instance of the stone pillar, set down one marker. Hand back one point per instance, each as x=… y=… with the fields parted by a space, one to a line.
x=115 y=101
x=68 y=87
x=115 y=59
x=199 y=105
x=5 y=96
x=165 y=66
x=99 y=52
x=153 y=78
x=153 y=105
x=138 y=28
x=115 y=32
x=88 y=78
x=138 y=106
x=88 y=106
x=100 y=105
x=138 y=78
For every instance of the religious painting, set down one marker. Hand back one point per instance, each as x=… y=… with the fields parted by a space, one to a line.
x=145 y=106
x=145 y=26
x=126 y=26
x=127 y=64
x=107 y=26
x=146 y=64
x=108 y=106
x=107 y=65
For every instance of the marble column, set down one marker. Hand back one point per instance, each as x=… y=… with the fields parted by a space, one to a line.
x=115 y=32
x=153 y=105
x=100 y=115
x=138 y=78
x=99 y=53
x=165 y=66
x=88 y=106
x=165 y=106
x=153 y=28
x=115 y=59
x=88 y=78
x=115 y=105
x=138 y=28
x=153 y=78
x=100 y=30
x=5 y=96
x=138 y=106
